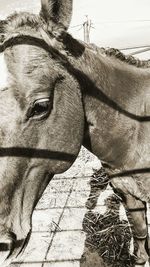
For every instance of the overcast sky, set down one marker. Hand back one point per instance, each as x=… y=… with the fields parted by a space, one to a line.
x=117 y=23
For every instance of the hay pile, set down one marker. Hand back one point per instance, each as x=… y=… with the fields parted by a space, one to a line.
x=108 y=235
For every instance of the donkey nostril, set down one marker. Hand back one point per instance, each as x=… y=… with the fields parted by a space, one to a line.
x=7 y=242
x=4 y=246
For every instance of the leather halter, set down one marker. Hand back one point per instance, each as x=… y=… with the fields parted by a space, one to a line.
x=31 y=39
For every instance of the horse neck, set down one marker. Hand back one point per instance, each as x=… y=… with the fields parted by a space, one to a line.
x=125 y=84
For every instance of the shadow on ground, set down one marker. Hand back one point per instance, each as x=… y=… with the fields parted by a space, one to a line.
x=108 y=238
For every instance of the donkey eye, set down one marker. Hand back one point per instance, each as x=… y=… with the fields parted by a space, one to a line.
x=40 y=109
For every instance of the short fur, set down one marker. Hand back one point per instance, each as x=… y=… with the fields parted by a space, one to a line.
x=96 y=97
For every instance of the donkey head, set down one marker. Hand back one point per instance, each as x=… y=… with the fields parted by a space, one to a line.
x=41 y=116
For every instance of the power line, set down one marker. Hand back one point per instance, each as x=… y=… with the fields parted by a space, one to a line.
x=110 y=21
x=139 y=51
x=121 y=21
x=75 y=26
x=134 y=47
x=86 y=26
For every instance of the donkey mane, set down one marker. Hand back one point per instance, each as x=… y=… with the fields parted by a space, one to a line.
x=23 y=19
x=116 y=53
x=16 y=21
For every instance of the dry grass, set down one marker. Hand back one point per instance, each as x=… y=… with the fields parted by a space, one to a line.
x=107 y=234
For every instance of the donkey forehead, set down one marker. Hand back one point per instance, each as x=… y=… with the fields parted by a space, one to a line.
x=4 y=73
x=26 y=70
x=30 y=60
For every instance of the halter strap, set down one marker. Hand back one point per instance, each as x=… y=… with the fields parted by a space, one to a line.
x=137 y=209
x=28 y=38
x=46 y=38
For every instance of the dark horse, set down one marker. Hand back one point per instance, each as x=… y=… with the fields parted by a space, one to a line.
x=57 y=94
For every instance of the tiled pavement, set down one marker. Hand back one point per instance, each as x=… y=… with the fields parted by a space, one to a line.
x=57 y=238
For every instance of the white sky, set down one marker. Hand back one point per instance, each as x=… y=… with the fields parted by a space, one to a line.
x=117 y=23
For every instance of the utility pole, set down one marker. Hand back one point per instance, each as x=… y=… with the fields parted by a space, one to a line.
x=87 y=27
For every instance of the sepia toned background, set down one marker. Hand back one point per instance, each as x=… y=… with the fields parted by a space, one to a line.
x=115 y=23
x=58 y=239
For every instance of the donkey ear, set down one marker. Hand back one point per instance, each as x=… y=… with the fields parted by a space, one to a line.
x=3 y=24
x=57 y=14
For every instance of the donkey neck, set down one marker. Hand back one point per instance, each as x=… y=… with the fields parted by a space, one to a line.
x=116 y=99
x=124 y=84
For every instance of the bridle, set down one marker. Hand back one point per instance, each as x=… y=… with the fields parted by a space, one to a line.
x=25 y=37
